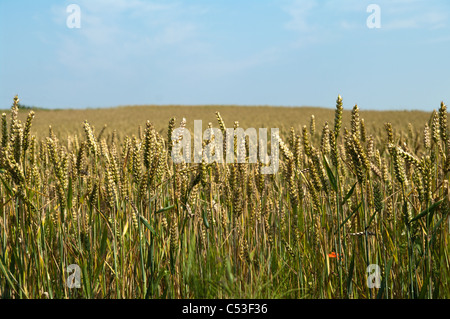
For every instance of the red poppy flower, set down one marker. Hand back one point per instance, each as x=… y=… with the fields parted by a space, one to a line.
x=334 y=255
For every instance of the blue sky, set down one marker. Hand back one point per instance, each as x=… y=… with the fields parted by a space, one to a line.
x=249 y=52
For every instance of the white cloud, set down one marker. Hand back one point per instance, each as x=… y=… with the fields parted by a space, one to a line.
x=113 y=33
x=304 y=23
x=316 y=21
x=299 y=11
x=396 y=14
x=414 y=14
x=343 y=6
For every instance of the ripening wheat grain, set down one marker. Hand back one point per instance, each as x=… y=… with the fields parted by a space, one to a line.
x=142 y=222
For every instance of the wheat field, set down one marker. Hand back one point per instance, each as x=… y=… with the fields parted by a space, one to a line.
x=358 y=209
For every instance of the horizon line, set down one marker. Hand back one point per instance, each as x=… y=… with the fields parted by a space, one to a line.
x=362 y=109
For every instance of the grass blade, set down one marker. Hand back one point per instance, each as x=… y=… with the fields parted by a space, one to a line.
x=147 y=225
x=427 y=211
x=384 y=280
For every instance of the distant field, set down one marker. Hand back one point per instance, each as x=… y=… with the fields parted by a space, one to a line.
x=127 y=119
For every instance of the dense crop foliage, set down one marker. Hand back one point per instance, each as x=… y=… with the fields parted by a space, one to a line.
x=139 y=225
